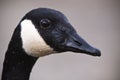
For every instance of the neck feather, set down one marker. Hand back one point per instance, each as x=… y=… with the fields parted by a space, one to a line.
x=17 y=67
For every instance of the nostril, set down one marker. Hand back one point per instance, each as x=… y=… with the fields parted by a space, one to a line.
x=78 y=43
x=76 y=40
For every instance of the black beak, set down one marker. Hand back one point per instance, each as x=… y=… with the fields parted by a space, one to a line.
x=76 y=44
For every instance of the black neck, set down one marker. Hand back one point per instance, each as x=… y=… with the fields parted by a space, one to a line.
x=17 y=67
x=17 y=64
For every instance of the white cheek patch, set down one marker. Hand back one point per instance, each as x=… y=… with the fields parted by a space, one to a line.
x=32 y=42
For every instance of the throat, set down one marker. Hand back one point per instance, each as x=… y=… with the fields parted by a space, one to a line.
x=17 y=66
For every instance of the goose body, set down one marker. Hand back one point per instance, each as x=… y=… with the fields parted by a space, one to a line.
x=41 y=32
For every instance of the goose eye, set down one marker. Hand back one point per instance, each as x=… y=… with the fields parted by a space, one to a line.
x=45 y=23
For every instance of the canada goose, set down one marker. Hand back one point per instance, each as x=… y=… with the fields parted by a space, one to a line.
x=41 y=32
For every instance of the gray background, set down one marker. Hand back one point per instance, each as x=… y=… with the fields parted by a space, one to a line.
x=97 y=21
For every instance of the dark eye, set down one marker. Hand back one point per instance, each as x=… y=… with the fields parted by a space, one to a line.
x=45 y=23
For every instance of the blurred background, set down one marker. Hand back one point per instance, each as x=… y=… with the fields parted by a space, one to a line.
x=97 y=21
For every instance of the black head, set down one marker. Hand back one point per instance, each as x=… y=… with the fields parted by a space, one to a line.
x=56 y=31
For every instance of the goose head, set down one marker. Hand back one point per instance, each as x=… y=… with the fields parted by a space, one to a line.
x=46 y=31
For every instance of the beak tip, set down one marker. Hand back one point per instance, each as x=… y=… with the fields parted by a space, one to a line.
x=97 y=52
